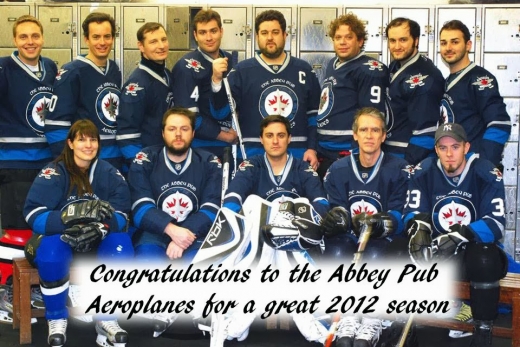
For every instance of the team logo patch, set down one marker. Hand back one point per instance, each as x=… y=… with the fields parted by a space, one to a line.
x=374 y=64
x=178 y=205
x=132 y=89
x=244 y=165
x=216 y=160
x=362 y=206
x=410 y=169
x=194 y=64
x=107 y=106
x=416 y=81
x=61 y=72
x=452 y=210
x=37 y=110
x=311 y=170
x=280 y=100
x=497 y=173
x=484 y=82
x=140 y=158
x=326 y=101
x=447 y=115
x=48 y=172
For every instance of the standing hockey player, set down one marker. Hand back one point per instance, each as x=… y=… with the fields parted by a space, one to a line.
x=26 y=80
x=271 y=83
x=77 y=203
x=146 y=94
x=89 y=88
x=416 y=87
x=353 y=80
x=458 y=200
x=192 y=84
x=472 y=98
x=366 y=187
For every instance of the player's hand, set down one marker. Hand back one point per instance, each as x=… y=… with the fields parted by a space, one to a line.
x=181 y=236
x=86 y=212
x=220 y=66
x=84 y=237
x=311 y=156
x=336 y=221
x=229 y=136
x=174 y=251
x=382 y=225
x=447 y=245
x=420 y=241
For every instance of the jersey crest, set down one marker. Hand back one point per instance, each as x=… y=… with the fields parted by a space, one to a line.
x=178 y=205
x=497 y=173
x=374 y=65
x=140 y=158
x=447 y=115
x=37 y=111
x=484 y=82
x=326 y=101
x=216 y=160
x=416 y=80
x=244 y=165
x=132 y=89
x=452 y=210
x=194 y=64
x=48 y=172
x=364 y=204
x=61 y=72
x=279 y=100
x=107 y=106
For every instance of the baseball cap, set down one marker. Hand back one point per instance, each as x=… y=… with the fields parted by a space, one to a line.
x=453 y=130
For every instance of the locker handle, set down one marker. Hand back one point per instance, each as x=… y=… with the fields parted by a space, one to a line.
x=11 y=19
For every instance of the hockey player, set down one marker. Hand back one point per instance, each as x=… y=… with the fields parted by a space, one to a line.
x=352 y=80
x=77 y=203
x=366 y=187
x=89 y=88
x=26 y=80
x=192 y=84
x=458 y=201
x=146 y=94
x=416 y=87
x=270 y=83
x=472 y=98
x=277 y=175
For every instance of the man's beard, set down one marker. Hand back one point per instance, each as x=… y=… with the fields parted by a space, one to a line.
x=272 y=55
x=179 y=151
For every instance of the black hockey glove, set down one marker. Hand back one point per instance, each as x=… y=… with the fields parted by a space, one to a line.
x=382 y=225
x=337 y=221
x=86 y=212
x=420 y=243
x=358 y=221
x=447 y=245
x=310 y=233
x=85 y=237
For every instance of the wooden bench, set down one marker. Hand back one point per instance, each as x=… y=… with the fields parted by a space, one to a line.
x=509 y=294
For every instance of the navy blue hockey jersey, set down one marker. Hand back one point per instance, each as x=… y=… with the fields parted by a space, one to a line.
x=145 y=97
x=474 y=198
x=415 y=95
x=49 y=196
x=186 y=194
x=192 y=89
x=348 y=86
x=472 y=99
x=23 y=109
x=85 y=91
x=255 y=176
x=291 y=90
x=383 y=189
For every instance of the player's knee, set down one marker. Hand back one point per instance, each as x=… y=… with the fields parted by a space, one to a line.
x=116 y=246
x=485 y=262
x=48 y=250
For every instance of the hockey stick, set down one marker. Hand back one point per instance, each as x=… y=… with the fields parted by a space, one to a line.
x=406 y=329
x=235 y=118
x=225 y=172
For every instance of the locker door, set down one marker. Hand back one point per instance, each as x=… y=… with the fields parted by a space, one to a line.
x=313 y=24
x=178 y=27
x=506 y=68
x=8 y=16
x=58 y=24
x=237 y=28
x=373 y=19
x=502 y=29
x=290 y=21
x=421 y=16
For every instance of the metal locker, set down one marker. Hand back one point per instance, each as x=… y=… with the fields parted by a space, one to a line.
x=510 y=162
x=58 y=24
x=445 y=69
x=84 y=11
x=173 y=58
x=290 y=21
x=422 y=17
x=506 y=68
x=509 y=242
x=501 y=29
x=513 y=109
x=131 y=58
x=314 y=28
x=5 y=51
x=510 y=207
x=467 y=15
x=318 y=62
x=237 y=28
x=59 y=56
x=373 y=19
x=8 y=16
x=133 y=18
x=178 y=27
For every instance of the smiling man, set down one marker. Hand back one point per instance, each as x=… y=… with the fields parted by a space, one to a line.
x=353 y=80
x=146 y=94
x=89 y=88
x=472 y=98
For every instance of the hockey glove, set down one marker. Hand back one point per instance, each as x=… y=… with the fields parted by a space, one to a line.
x=85 y=237
x=337 y=221
x=447 y=245
x=382 y=225
x=358 y=220
x=86 y=212
x=420 y=240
